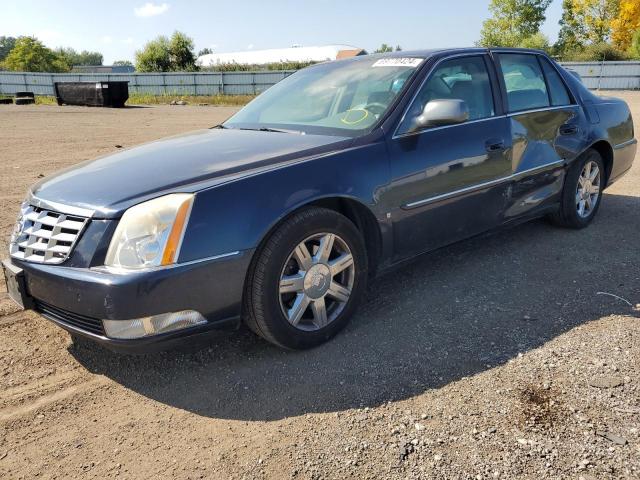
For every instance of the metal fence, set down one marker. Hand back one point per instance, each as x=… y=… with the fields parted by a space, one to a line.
x=210 y=83
x=596 y=75
x=608 y=75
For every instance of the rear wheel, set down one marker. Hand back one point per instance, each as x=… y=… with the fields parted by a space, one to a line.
x=582 y=192
x=306 y=280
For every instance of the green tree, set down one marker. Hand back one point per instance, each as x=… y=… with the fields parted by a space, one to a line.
x=155 y=56
x=181 y=49
x=571 y=31
x=6 y=45
x=205 y=51
x=167 y=55
x=537 y=41
x=30 y=55
x=634 y=49
x=83 y=58
x=512 y=22
x=602 y=51
x=384 y=48
x=122 y=63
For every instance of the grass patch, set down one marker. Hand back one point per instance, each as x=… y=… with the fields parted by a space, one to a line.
x=219 y=100
x=45 y=100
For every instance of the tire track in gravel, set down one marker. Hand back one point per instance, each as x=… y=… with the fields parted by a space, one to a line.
x=52 y=394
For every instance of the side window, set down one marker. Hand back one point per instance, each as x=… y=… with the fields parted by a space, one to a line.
x=523 y=79
x=464 y=78
x=557 y=90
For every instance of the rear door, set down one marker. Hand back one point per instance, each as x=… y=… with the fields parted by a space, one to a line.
x=448 y=182
x=545 y=128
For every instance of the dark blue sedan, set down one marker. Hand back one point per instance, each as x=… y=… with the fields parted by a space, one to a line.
x=278 y=217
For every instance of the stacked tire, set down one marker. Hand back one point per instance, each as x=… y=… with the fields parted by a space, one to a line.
x=25 y=98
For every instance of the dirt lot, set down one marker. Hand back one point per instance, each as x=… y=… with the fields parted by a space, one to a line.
x=494 y=358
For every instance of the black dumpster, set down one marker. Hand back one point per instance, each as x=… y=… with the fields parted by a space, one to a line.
x=92 y=94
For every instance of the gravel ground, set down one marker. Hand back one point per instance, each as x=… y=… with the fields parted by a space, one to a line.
x=498 y=357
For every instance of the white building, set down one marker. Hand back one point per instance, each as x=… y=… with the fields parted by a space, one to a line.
x=276 y=55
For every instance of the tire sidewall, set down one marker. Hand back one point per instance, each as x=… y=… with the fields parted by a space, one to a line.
x=288 y=237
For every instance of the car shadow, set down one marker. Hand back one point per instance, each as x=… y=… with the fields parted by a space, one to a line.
x=451 y=314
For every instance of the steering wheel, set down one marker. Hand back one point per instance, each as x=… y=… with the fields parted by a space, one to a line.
x=375 y=108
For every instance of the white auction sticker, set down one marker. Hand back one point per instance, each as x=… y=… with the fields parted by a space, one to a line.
x=398 y=62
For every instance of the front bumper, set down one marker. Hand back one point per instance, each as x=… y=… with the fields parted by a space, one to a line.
x=78 y=299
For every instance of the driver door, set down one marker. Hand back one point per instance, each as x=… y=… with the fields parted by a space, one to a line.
x=449 y=182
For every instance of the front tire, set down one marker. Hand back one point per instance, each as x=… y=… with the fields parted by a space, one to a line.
x=582 y=192
x=306 y=280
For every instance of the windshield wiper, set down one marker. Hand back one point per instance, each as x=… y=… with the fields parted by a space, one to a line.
x=278 y=130
x=221 y=126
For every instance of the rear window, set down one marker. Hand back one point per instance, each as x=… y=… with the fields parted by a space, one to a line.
x=557 y=89
x=524 y=82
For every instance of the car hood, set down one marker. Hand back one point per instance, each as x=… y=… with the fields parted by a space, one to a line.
x=189 y=162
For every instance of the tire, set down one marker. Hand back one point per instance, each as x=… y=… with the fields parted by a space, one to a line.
x=279 y=286
x=570 y=215
x=24 y=101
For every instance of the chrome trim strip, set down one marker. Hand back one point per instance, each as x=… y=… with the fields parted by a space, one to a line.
x=545 y=109
x=479 y=186
x=124 y=271
x=625 y=144
x=59 y=207
x=207 y=259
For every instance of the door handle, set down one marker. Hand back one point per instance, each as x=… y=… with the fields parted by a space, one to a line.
x=494 y=145
x=568 y=129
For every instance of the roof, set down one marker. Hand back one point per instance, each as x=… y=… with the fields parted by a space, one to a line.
x=277 y=55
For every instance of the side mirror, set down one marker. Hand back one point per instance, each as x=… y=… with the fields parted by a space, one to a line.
x=441 y=112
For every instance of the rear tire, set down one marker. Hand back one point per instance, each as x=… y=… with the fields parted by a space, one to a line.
x=582 y=192
x=306 y=280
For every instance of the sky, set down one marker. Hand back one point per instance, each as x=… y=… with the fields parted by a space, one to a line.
x=118 y=28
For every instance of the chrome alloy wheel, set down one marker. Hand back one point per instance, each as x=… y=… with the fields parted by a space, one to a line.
x=316 y=281
x=588 y=190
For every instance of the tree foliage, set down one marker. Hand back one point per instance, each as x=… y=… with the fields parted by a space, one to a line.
x=245 y=67
x=6 y=45
x=587 y=26
x=591 y=20
x=536 y=41
x=625 y=24
x=175 y=54
x=634 y=49
x=83 y=58
x=205 y=51
x=30 y=55
x=384 y=48
x=602 y=51
x=570 y=31
x=122 y=63
x=512 y=22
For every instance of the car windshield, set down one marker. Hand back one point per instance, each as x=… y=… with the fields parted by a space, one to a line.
x=338 y=98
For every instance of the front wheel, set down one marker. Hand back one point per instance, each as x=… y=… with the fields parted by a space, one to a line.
x=582 y=192
x=306 y=280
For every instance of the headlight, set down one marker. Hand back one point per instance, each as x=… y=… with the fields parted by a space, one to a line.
x=149 y=234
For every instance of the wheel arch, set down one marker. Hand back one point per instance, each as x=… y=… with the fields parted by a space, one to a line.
x=605 y=150
x=356 y=211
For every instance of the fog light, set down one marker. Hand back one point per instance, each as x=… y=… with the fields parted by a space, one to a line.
x=154 y=325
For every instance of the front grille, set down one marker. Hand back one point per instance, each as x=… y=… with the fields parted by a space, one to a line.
x=88 y=324
x=44 y=236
